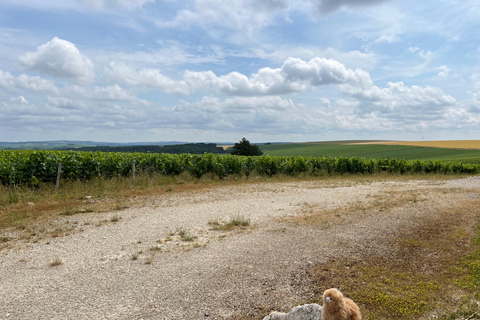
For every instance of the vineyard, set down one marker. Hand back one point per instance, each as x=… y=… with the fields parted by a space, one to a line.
x=32 y=167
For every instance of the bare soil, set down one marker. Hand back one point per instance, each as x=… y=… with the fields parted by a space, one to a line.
x=137 y=263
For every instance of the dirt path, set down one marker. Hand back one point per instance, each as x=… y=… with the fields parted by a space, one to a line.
x=133 y=264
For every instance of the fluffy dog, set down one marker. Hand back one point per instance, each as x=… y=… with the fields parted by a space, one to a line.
x=336 y=307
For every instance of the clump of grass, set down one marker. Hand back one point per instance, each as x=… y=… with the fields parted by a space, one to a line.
x=235 y=221
x=185 y=234
x=134 y=256
x=149 y=260
x=67 y=212
x=115 y=218
x=56 y=262
x=156 y=248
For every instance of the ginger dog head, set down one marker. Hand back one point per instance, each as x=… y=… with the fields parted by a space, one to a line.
x=333 y=299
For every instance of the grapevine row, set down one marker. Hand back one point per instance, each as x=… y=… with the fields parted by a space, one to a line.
x=21 y=167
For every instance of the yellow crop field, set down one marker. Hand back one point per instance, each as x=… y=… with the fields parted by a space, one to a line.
x=456 y=144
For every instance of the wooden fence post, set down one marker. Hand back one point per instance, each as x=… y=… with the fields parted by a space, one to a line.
x=58 y=176
x=133 y=172
x=11 y=174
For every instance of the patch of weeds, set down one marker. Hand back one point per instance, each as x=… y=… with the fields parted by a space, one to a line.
x=67 y=212
x=185 y=234
x=56 y=262
x=134 y=256
x=115 y=218
x=120 y=206
x=471 y=263
x=235 y=222
x=149 y=260
x=13 y=197
x=468 y=312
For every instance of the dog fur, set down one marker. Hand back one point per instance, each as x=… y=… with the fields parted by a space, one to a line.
x=336 y=307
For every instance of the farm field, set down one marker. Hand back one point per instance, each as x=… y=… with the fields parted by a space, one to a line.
x=374 y=149
x=455 y=144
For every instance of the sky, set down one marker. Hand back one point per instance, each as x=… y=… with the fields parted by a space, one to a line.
x=218 y=71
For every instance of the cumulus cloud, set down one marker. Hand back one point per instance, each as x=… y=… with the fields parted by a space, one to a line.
x=296 y=75
x=398 y=100
x=33 y=83
x=146 y=78
x=122 y=4
x=62 y=59
x=351 y=59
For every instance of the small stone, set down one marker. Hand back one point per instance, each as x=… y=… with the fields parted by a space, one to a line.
x=207 y=314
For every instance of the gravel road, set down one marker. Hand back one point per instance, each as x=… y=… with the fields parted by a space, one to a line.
x=133 y=264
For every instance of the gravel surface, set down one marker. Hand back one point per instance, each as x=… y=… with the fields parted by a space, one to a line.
x=133 y=264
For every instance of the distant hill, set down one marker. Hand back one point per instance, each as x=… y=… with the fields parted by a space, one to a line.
x=194 y=148
x=75 y=144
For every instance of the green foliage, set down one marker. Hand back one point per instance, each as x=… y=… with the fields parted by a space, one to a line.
x=244 y=148
x=34 y=168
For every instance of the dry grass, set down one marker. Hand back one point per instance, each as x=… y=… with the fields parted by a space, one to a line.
x=236 y=221
x=312 y=214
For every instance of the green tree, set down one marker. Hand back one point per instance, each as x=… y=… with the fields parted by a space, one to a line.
x=244 y=148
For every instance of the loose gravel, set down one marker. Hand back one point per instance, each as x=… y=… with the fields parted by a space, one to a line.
x=133 y=264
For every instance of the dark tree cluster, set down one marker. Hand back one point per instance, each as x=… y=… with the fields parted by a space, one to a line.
x=244 y=148
x=193 y=148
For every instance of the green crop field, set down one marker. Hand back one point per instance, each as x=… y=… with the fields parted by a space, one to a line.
x=375 y=151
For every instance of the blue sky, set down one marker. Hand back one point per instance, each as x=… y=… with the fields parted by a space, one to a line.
x=211 y=71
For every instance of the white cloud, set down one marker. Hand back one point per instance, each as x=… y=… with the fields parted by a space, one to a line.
x=388 y=38
x=296 y=75
x=235 y=105
x=109 y=93
x=234 y=14
x=62 y=59
x=146 y=78
x=443 y=72
x=23 y=81
x=252 y=114
x=66 y=103
x=19 y=99
x=122 y=4
x=400 y=101
x=351 y=59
